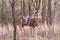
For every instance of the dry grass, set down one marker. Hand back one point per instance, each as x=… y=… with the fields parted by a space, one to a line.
x=42 y=32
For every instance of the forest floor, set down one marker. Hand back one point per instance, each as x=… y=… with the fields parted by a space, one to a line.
x=41 y=32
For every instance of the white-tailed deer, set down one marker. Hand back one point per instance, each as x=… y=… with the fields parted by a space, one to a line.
x=34 y=21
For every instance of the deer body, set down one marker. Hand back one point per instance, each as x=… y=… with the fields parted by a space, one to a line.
x=31 y=21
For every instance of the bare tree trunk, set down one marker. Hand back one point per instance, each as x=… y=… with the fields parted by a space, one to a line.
x=43 y=12
x=13 y=11
x=49 y=20
x=29 y=7
x=23 y=8
x=2 y=13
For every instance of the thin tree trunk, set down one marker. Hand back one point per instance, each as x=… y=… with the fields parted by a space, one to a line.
x=13 y=12
x=49 y=20
x=43 y=12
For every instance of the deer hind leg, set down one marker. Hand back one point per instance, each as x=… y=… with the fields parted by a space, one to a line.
x=20 y=27
x=32 y=31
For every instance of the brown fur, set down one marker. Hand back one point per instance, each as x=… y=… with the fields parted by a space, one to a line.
x=34 y=22
x=21 y=22
x=31 y=22
x=37 y=21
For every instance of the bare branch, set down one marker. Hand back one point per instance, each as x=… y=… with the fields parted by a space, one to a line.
x=10 y=2
x=56 y=2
